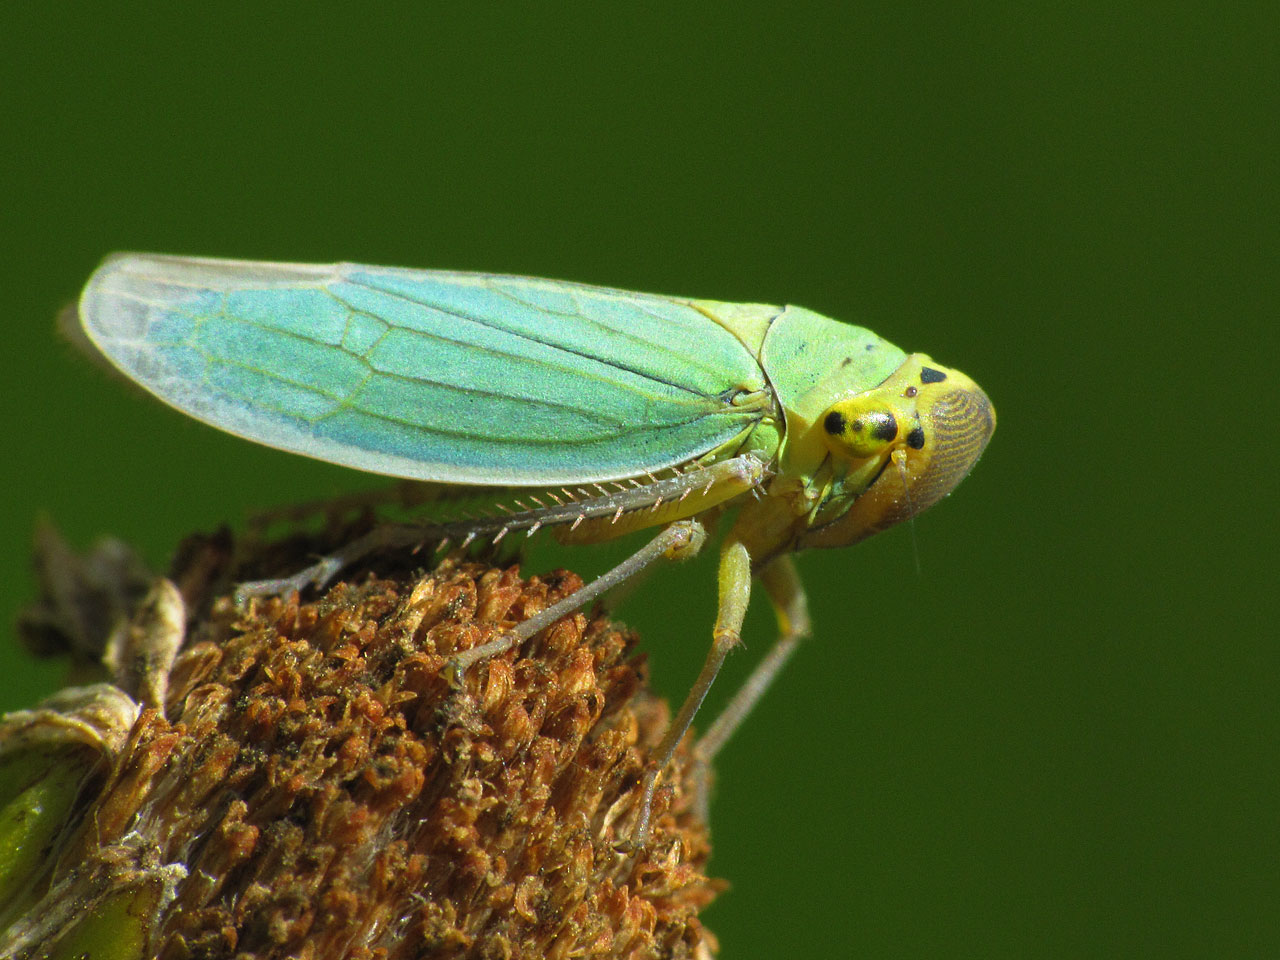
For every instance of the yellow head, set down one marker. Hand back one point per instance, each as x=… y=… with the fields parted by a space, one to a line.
x=904 y=445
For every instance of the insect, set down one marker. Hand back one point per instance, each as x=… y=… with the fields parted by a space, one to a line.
x=617 y=411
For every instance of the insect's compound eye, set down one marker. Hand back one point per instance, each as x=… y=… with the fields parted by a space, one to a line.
x=860 y=427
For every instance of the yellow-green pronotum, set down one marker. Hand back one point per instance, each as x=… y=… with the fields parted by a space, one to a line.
x=619 y=410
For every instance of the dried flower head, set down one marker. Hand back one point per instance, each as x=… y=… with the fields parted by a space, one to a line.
x=315 y=787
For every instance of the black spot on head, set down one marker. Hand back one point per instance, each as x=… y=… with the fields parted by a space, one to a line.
x=930 y=375
x=869 y=347
x=846 y=361
x=834 y=423
x=915 y=439
x=886 y=427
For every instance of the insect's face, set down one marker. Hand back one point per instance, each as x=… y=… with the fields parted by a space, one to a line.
x=904 y=445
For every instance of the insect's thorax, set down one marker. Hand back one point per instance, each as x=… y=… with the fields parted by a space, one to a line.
x=810 y=361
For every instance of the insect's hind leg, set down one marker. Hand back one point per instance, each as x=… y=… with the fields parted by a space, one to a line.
x=384 y=537
x=585 y=518
x=404 y=494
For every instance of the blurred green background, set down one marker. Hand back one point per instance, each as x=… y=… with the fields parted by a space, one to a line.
x=1060 y=738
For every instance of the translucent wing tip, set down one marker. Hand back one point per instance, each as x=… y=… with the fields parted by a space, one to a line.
x=123 y=293
x=204 y=273
x=113 y=306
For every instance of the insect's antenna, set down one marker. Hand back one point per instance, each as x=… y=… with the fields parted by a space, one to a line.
x=900 y=461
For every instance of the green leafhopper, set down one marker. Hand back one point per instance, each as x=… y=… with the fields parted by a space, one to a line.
x=616 y=411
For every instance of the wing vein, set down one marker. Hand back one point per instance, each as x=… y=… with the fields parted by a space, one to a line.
x=481 y=321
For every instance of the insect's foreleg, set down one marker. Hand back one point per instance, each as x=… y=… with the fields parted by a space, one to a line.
x=735 y=592
x=781 y=582
x=678 y=541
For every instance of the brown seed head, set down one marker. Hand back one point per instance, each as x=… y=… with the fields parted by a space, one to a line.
x=316 y=788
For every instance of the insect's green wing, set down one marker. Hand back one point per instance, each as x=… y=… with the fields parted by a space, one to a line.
x=431 y=375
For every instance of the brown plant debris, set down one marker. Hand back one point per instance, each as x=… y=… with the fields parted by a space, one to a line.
x=316 y=788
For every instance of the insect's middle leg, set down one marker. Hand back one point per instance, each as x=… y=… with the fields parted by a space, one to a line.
x=678 y=541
